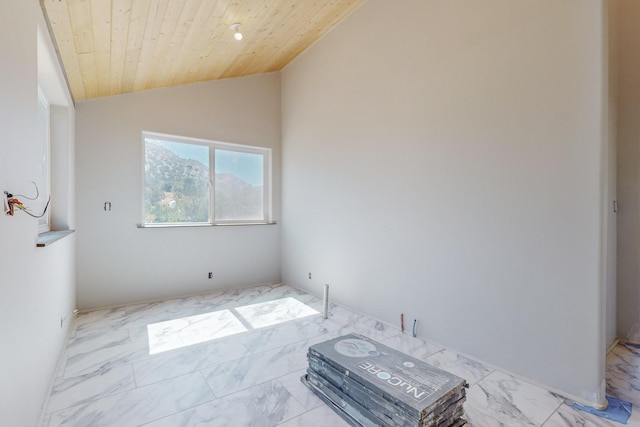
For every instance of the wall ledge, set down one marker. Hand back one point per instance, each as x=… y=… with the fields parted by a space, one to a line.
x=50 y=237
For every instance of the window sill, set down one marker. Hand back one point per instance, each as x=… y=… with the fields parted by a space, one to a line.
x=50 y=237
x=239 y=224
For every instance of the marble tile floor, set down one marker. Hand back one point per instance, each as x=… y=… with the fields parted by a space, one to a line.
x=235 y=358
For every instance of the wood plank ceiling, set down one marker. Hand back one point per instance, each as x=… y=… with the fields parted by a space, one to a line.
x=112 y=47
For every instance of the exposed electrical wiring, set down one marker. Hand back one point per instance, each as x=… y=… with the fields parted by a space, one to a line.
x=24 y=209
x=27 y=197
x=11 y=202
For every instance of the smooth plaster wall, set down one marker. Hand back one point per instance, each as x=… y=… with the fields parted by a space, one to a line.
x=445 y=160
x=37 y=285
x=628 y=83
x=610 y=183
x=119 y=263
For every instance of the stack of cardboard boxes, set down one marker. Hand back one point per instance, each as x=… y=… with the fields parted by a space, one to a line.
x=370 y=384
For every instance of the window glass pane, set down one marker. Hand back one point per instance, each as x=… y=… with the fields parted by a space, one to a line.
x=239 y=186
x=176 y=182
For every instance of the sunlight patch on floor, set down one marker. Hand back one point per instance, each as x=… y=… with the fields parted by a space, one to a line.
x=185 y=331
x=270 y=313
x=177 y=333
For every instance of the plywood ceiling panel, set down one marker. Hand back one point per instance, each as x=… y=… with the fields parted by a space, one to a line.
x=111 y=47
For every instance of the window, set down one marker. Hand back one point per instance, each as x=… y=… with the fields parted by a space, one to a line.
x=194 y=181
x=44 y=142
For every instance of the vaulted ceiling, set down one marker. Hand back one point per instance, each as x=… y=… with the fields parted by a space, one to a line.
x=112 y=47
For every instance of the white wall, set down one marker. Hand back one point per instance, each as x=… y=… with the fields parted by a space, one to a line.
x=119 y=263
x=37 y=285
x=610 y=183
x=445 y=160
x=628 y=104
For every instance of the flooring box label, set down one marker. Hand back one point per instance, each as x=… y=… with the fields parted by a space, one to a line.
x=411 y=383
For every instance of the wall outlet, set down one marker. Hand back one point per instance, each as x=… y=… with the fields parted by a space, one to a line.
x=210 y=275
x=309 y=275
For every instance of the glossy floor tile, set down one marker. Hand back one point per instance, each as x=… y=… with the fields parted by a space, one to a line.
x=510 y=401
x=266 y=404
x=235 y=358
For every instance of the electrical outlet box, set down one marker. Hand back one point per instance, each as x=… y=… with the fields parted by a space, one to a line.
x=210 y=275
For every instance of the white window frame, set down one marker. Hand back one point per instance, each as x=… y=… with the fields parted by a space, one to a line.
x=213 y=145
x=44 y=188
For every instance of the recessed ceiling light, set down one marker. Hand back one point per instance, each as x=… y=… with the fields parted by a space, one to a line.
x=236 y=31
